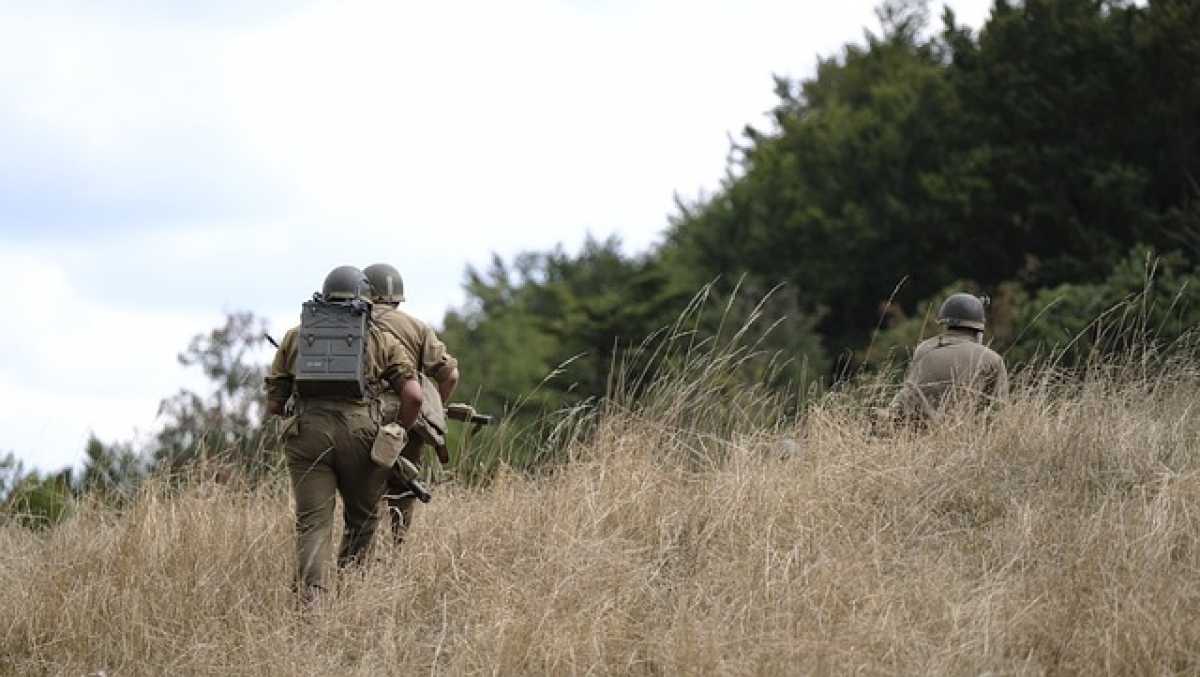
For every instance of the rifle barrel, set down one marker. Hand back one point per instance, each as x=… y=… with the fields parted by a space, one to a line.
x=419 y=491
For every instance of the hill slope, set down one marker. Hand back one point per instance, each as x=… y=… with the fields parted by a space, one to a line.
x=1058 y=535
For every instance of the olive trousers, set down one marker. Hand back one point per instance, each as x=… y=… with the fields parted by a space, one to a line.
x=329 y=454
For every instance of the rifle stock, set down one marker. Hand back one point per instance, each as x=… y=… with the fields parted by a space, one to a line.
x=467 y=414
x=411 y=484
x=417 y=489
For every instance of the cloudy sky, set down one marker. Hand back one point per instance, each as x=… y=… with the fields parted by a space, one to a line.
x=163 y=163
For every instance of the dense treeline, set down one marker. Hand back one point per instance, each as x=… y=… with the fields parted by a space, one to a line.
x=1044 y=160
x=1050 y=159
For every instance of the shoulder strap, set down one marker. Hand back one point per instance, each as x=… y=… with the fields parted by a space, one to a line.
x=374 y=383
x=424 y=347
x=941 y=343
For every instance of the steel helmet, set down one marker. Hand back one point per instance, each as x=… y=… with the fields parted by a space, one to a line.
x=345 y=283
x=386 y=284
x=962 y=310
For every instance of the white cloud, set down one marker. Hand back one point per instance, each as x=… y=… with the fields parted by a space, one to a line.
x=71 y=367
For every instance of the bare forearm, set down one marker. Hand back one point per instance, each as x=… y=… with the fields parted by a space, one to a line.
x=411 y=399
x=447 y=385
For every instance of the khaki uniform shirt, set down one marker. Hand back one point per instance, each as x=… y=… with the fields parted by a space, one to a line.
x=419 y=339
x=951 y=365
x=386 y=358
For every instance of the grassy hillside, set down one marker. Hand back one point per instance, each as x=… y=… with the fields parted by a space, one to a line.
x=688 y=535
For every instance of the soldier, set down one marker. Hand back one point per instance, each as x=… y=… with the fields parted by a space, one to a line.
x=429 y=353
x=328 y=442
x=952 y=364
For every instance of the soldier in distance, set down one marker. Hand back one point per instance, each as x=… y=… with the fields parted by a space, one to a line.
x=328 y=442
x=438 y=371
x=952 y=365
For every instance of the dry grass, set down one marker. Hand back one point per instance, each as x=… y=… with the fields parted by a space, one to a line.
x=1058 y=536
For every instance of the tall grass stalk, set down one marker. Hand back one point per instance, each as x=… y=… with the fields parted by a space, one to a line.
x=693 y=527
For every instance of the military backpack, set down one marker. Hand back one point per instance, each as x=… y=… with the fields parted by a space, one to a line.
x=331 y=349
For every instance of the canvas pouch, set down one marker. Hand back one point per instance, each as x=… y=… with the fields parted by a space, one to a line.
x=388 y=444
x=431 y=422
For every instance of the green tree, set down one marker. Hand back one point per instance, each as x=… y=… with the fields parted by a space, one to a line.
x=840 y=200
x=1147 y=302
x=228 y=422
x=31 y=499
x=503 y=351
x=113 y=469
x=1056 y=167
x=1036 y=151
x=545 y=330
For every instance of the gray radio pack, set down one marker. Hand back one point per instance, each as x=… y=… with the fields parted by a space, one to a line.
x=331 y=358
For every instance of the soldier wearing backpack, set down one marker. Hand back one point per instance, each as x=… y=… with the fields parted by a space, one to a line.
x=336 y=365
x=438 y=373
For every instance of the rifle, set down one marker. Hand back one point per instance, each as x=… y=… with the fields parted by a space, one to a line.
x=411 y=484
x=432 y=428
x=460 y=411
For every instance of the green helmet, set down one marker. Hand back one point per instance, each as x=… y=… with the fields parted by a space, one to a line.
x=962 y=310
x=386 y=284
x=345 y=283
